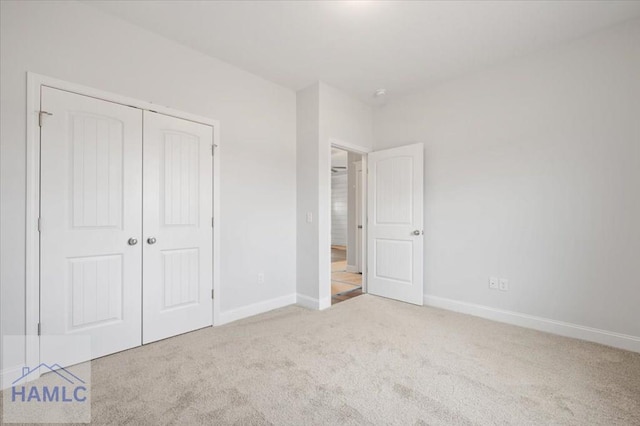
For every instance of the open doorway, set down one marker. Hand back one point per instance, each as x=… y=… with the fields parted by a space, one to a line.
x=347 y=249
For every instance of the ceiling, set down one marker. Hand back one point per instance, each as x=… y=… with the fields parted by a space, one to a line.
x=359 y=46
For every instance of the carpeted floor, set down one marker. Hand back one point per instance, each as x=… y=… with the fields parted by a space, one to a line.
x=394 y=364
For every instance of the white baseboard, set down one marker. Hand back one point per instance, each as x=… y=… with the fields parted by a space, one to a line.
x=325 y=303
x=352 y=268
x=617 y=340
x=311 y=303
x=257 y=308
x=307 y=302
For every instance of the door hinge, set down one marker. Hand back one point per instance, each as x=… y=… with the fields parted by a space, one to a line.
x=41 y=116
x=212 y=294
x=39 y=329
x=212 y=149
x=39 y=224
x=212 y=222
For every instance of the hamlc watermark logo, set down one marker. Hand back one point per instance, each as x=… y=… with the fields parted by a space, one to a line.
x=71 y=389
x=56 y=389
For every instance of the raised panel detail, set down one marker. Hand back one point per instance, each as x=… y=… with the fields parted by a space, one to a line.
x=181 y=178
x=394 y=189
x=97 y=162
x=180 y=273
x=393 y=260
x=96 y=290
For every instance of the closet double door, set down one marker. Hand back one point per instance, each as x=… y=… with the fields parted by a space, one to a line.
x=126 y=235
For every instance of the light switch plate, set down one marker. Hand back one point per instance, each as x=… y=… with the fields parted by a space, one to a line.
x=504 y=284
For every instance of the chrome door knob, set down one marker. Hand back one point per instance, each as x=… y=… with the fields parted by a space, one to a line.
x=416 y=232
x=151 y=240
x=132 y=241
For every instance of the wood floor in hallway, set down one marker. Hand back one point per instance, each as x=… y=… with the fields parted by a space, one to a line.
x=344 y=285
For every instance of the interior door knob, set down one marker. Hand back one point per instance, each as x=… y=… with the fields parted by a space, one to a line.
x=416 y=232
x=132 y=241
x=151 y=240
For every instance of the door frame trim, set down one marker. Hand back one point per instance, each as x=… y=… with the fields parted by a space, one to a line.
x=32 y=208
x=325 y=255
x=360 y=164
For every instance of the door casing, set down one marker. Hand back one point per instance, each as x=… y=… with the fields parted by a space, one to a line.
x=361 y=215
x=32 y=237
x=325 y=258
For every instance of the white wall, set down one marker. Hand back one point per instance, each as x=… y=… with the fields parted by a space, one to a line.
x=532 y=173
x=325 y=116
x=308 y=122
x=75 y=42
x=339 y=209
x=344 y=119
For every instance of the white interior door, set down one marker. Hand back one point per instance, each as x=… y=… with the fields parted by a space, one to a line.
x=178 y=232
x=395 y=228
x=90 y=208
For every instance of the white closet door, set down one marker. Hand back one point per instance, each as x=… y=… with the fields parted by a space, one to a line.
x=395 y=234
x=178 y=233
x=91 y=192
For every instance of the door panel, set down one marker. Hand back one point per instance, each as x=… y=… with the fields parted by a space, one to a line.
x=395 y=211
x=178 y=209
x=91 y=191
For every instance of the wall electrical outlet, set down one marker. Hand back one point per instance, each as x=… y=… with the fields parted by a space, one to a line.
x=493 y=283
x=261 y=278
x=504 y=284
x=309 y=217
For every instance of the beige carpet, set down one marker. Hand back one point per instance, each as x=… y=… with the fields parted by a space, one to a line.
x=393 y=364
